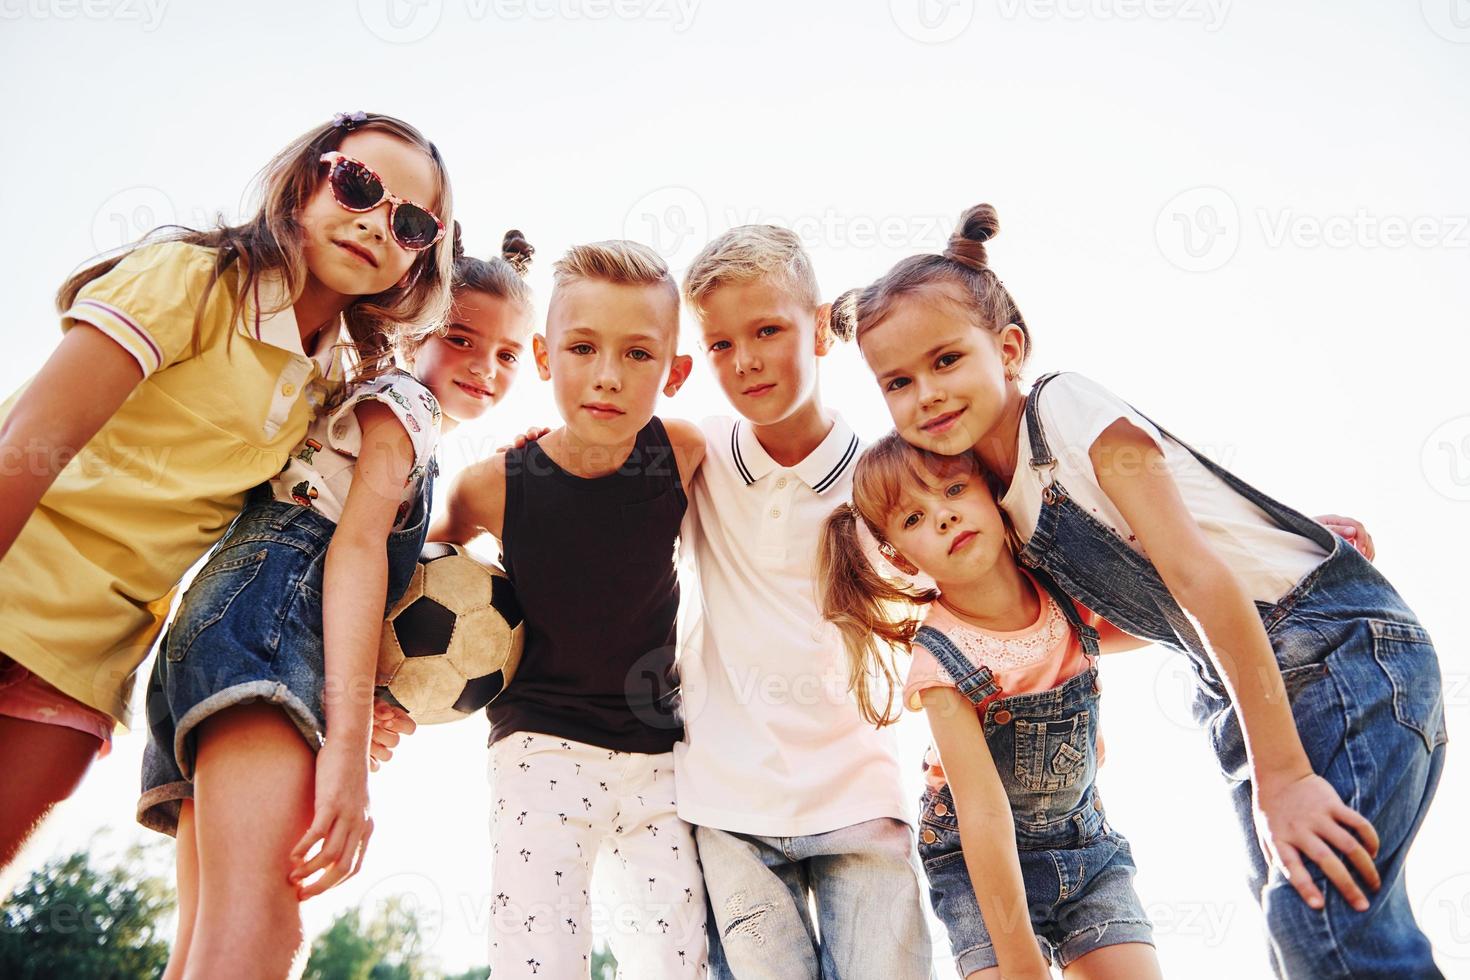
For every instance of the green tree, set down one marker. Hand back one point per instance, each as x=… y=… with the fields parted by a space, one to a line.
x=71 y=919
x=388 y=945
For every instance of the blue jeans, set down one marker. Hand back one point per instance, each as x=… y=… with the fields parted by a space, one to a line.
x=1371 y=718
x=1077 y=872
x=249 y=629
x=865 y=882
x=1364 y=683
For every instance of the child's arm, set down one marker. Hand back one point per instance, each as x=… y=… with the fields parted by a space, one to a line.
x=50 y=423
x=355 y=581
x=987 y=831
x=1298 y=813
x=1111 y=639
x=688 y=445
x=475 y=505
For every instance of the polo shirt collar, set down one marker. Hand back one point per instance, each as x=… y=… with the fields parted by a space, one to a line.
x=820 y=469
x=279 y=328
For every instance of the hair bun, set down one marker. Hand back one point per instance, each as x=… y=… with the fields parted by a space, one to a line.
x=458 y=243
x=977 y=226
x=517 y=251
x=844 y=315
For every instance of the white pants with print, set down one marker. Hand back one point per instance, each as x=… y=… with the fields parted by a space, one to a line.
x=561 y=806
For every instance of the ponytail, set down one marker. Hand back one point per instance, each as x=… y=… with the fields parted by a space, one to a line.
x=861 y=604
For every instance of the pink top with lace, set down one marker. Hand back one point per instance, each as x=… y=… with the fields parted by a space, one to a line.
x=1039 y=657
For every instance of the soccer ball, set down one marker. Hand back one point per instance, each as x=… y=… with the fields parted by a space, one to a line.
x=453 y=642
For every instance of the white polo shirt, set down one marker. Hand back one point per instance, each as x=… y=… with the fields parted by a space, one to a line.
x=773 y=742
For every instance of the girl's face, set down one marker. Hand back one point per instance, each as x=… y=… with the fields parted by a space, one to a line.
x=355 y=254
x=942 y=375
x=471 y=366
x=951 y=530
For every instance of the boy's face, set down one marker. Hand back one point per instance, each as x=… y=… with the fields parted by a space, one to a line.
x=763 y=344
x=609 y=349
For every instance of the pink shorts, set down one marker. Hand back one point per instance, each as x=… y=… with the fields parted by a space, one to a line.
x=24 y=695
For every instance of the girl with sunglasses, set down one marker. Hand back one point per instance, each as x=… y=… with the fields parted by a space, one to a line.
x=270 y=658
x=189 y=368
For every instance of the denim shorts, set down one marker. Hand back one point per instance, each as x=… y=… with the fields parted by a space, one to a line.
x=249 y=629
x=1080 y=896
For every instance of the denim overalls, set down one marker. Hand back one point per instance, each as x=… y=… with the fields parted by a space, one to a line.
x=1365 y=690
x=1078 y=873
x=249 y=628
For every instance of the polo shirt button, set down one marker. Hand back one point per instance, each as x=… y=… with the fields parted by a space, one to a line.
x=1002 y=717
x=941 y=810
x=781 y=483
x=775 y=512
x=288 y=389
x=928 y=836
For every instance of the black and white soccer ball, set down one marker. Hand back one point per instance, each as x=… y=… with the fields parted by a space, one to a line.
x=454 y=640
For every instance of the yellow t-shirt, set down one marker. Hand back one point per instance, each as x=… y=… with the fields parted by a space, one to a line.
x=87 y=584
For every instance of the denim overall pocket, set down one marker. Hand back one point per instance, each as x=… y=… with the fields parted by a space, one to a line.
x=1051 y=755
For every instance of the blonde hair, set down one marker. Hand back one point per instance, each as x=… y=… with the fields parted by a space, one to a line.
x=876 y=615
x=963 y=262
x=273 y=240
x=749 y=252
x=619 y=262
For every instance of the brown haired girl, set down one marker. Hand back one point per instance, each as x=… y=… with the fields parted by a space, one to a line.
x=1319 y=687
x=1023 y=866
x=189 y=369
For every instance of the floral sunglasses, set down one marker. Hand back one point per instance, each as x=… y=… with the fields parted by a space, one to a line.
x=357 y=188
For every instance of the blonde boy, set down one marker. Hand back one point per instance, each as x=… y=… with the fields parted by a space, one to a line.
x=581 y=742
x=796 y=800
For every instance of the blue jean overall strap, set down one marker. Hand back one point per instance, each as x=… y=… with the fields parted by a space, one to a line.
x=1094 y=564
x=975 y=682
x=1363 y=682
x=1043 y=742
x=405 y=545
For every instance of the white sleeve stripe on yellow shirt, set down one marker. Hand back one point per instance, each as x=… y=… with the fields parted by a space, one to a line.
x=117 y=325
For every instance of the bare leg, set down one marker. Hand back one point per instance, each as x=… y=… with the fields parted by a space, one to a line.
x=43 y=765
x=1125 y=961
x=187 y=873
x=254 y=784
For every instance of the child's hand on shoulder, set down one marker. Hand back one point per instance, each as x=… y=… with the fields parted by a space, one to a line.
x=1350 y=529
x=340 y=825
x=521 y=441
x=688 y=444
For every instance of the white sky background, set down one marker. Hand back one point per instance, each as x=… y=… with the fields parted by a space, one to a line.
x=1249 y=219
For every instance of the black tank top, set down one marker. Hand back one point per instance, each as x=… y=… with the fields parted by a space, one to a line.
x=593 y=566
